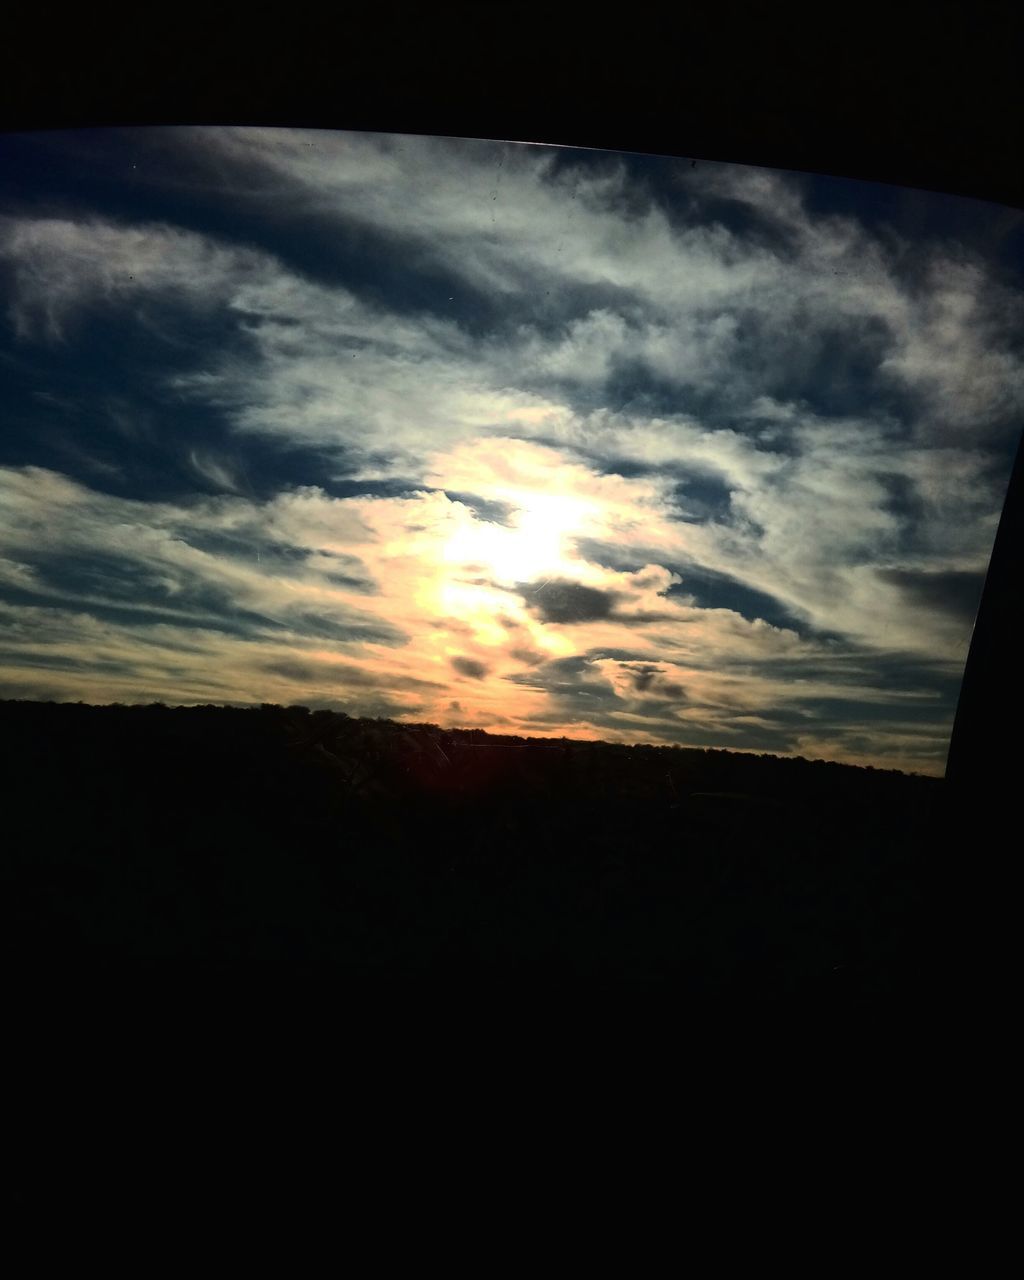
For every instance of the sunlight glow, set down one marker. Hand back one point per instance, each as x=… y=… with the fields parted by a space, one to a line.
x=536 y=546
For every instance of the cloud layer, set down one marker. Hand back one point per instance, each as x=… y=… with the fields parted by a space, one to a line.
x=479 y=433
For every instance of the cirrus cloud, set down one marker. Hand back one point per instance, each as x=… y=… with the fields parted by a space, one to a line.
x=619 y=448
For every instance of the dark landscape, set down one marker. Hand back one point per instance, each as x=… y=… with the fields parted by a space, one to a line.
x=148 y=839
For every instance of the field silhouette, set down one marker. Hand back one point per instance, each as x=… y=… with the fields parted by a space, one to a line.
x=299 y=841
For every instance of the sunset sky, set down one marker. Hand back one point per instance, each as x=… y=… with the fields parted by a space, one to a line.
x=485 y=434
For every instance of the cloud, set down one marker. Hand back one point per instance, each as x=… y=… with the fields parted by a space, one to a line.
x=567 y=602
x=948 y=592
x=61 y=266
x=711 y=464
x=469 y=667
x=650 y=679
x=214 y=471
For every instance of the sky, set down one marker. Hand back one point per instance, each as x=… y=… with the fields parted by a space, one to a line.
x=537 y=440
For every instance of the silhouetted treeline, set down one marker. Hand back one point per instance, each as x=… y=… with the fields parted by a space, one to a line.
x=280 y=836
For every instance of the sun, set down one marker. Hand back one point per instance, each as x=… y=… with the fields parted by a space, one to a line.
x=535 y=545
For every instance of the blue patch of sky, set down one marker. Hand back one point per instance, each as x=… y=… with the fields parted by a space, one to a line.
x=99 y=407
x=383 y=269
x=708 y=589
x=684 y=194
x=711 y=590
x=489 y=510
x=701 y=498
x=51 y=661
x=698 y=496
x=121 y=590
x=235 y=622
x=843 y=664
x=632 y=386
x=679 y=189
x=947 y=591
x=911 y=222
x=834 y=371
x=550 y=310
x=353 y=486
x=856 y=709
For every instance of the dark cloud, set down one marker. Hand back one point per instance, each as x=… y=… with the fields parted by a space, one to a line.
x=628 y=468
x=470 y=667
x=119 y=580
x=577 y=688
x=348 y=626
x=557 y=674
x=710 y=590
x=580 y=692
x=646 y=618
x=896 y=712
x=884 y=209
x=644 y=678
x=124 y=428
x=245 y=546
x=550 y=311
x=339 y=568
x=612 y=556
x=67 y=662
x=486 y=509
x=564 y=602
x=175 y=179
x=691 y=197
x=633 y=387
x=618 y=655
x=102 y=581
x=65 y=588
x=379 y=266
x=376 y=705
x=350 y=582
x=530 y=657
x=290 y=669
x=905 y=504
x=846 y=666
x=833 y=369
x=955 y=593
x=841 y=368
x=455 y=625
x=129 y=592
x=702 y=497
x=345 y=674
x=753 y=226
x=354 y=486
x=649 y=679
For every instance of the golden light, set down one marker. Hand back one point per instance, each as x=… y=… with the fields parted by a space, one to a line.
x=533 y=547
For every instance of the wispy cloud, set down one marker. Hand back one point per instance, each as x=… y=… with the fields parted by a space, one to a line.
x=611 y=446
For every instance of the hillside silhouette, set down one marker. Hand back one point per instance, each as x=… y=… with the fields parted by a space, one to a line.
x=310 y=841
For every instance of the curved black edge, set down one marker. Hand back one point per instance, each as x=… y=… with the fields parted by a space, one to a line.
x=920 y=101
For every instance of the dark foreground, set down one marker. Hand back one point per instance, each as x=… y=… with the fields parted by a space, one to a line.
x=148 y=839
